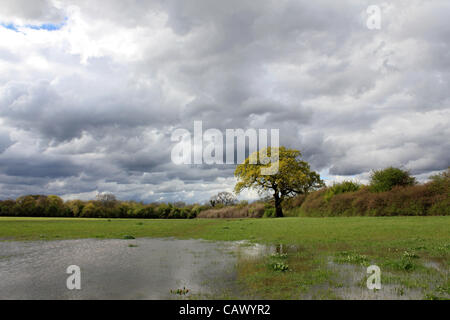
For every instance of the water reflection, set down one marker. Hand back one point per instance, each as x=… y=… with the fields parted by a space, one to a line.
x=250 y=250
x=112 y=269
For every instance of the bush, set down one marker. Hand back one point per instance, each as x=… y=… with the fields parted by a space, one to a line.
x=338 y=188
x=440 y=207
x=386 y=179
x=441 y=182
x=269 y=212
x=290 y=203
x=256 y=210
x=242 y=203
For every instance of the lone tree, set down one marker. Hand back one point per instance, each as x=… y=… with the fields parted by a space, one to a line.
x=223 y=198
x=292 y=177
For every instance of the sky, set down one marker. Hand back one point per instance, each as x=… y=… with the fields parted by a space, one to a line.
x=91 y=91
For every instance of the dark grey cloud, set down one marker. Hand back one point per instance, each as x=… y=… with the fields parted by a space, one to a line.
x=91 y=107
x=5 y=140
x=30 y=167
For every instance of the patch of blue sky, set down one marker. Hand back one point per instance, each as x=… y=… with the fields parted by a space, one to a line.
x=44 y=26
x=47 y=26
x=9 y=26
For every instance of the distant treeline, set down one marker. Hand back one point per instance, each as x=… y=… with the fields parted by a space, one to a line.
x=391 y=192
x=104 y=207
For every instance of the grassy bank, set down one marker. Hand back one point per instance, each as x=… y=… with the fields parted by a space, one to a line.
x=413 y=252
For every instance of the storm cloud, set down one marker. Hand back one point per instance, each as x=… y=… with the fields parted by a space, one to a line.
x=90 y=92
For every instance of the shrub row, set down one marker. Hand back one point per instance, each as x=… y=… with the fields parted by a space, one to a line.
x=427 y=199
x=254 y=210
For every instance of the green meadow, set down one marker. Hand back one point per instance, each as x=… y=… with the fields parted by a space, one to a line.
x=413 y=252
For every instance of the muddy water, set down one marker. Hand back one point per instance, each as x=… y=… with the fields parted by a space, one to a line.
x=111 y=269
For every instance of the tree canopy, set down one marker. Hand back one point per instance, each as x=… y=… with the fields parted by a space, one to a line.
x=293 y=176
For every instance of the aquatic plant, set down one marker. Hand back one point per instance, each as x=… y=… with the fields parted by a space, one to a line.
x=180 y=292
x=279 y=266
x=352 y=258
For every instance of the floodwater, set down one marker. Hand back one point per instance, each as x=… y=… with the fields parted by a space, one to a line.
x=352 y=280
x=353 y=285
x=156 y=268
x=116 y=269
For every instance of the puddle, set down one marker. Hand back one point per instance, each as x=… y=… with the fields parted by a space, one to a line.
x=255 y=250
x=351 y=284
x=436 y=266
x=353 y=280
x=112 y=269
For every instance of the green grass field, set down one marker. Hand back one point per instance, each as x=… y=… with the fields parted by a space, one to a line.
x=413 y=252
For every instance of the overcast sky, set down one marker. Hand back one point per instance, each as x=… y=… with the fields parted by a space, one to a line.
x=90 y=91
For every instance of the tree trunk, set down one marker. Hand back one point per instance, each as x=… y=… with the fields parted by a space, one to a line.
x=278 y=209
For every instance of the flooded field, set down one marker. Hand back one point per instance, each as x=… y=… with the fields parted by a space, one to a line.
x=162 y=269
x=115 y=269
